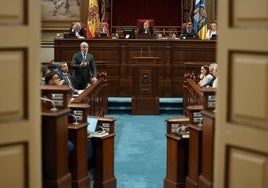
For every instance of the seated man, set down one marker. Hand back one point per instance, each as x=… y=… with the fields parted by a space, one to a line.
x=188 y=31
x=77 y=30
x=146 y=29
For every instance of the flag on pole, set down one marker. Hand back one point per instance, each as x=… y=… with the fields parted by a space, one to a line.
x=200 y=18
x=93 y=18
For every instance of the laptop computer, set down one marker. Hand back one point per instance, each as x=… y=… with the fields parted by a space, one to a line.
x=93 y=129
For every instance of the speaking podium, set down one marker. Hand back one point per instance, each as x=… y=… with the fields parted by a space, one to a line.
x=145 y=99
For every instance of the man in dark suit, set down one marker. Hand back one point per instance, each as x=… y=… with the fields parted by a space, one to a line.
x=65 y=75
x=77 y=30
x=84 y=68
x=188 y=31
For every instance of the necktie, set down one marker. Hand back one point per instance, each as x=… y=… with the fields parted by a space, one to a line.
x=69 y=83
x=84 y=57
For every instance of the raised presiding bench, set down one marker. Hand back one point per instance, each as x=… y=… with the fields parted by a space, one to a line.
x=117 y=55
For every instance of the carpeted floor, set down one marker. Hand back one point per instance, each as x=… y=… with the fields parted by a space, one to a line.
x=140 y=150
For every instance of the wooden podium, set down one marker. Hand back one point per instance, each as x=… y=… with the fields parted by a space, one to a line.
x=145 y=100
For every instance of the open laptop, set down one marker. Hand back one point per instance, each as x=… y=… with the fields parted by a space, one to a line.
x=92 y=124
x=93 y=129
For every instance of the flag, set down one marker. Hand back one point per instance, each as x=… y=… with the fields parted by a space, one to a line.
x=93 y=18
x=200 y=18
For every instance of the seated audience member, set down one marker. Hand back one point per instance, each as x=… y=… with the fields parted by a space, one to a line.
x=215 y=74
x=44 y=71
x=70 y=147
x=211 y=31
x=64 y=75
x=52 y=78
x=211 y=69
x=188 y=30
x=77 y=30
x=146 y=29
x=205 y=76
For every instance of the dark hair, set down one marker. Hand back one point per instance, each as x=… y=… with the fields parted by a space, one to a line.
x=206 y=67
x=49 y=76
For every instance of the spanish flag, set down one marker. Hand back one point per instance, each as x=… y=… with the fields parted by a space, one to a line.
x=93 y=18
x=200 y=18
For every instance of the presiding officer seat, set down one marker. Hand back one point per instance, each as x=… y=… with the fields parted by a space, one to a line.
x=140 y=23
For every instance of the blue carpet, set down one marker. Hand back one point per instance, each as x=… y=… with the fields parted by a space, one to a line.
x=140 y=150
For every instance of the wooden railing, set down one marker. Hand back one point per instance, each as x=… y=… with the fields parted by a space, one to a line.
x=94 y=96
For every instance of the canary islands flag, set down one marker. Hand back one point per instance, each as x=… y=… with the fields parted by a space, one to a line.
x=93 y=18
x=200 y=18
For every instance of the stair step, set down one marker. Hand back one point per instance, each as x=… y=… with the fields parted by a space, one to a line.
x=122 y=105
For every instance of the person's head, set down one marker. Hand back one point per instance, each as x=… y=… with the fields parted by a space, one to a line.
x=215 y=71
x=77 y=26
x=64 y=67
x=189 y=26
x=52 y=78
x=84 y=47
x=146 y=24
x=211 y=67
x=204 y=70
x=213 y=26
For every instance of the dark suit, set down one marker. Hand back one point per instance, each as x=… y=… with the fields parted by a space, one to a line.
x=66 y=81
x=184 y=33
x=142 y=31
x=82 y=76
x=82 y=32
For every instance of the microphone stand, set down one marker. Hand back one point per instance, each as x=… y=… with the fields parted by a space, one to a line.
x=75 y=119
x=52 y=102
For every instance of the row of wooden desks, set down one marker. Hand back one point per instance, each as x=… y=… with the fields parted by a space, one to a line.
x=190 y=159
x=58 y=126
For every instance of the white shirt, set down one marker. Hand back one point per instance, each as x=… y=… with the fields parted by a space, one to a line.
x=210 y=33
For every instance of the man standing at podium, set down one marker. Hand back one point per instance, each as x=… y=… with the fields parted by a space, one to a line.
x=84 y=68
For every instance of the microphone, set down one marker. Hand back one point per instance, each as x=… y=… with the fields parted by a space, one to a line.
x=200 y=122
x=75 y=119
x=52 y=102
x=149 y=49
x=141 y=50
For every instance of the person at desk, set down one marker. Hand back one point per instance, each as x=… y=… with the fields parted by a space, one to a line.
x=52 y=78
x=146 y=29
x=65 y=75
x=187 y=31
x=84 y=68
x=77 y=30
x=212 y=31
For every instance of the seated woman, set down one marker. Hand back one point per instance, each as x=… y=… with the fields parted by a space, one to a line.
x=212 y=31
x=205 y=76
x=146 y=29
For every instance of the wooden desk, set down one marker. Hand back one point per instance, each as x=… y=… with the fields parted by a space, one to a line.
x=177 y=154
x=118 y=56
x=78 y=162
x=54 y=149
